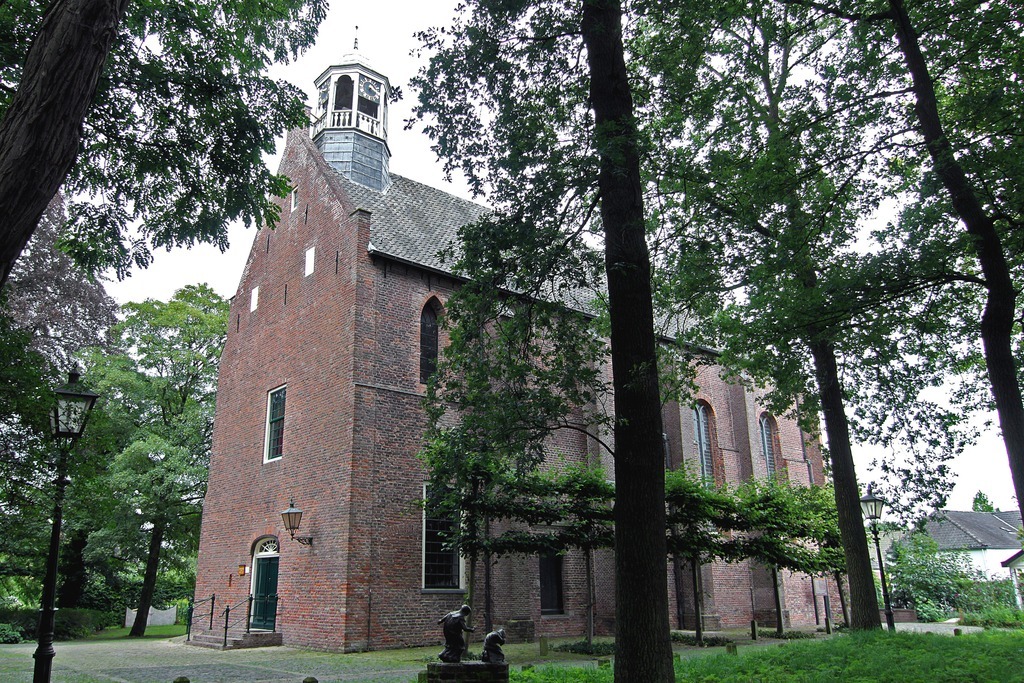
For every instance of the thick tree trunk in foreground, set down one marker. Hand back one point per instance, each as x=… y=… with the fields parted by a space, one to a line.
x=644 y=649
x=149 y=580
x=1001 y=300
x=40 y=133
x=863 y=599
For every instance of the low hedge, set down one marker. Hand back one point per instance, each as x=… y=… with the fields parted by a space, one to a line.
x=994 y=617
x=69 y=624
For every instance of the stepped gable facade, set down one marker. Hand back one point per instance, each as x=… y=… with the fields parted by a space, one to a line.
x=319 y=408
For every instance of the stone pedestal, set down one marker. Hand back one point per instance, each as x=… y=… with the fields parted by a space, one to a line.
x=467 y=672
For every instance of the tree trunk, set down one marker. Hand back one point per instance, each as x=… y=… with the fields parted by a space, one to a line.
x=40 y=134
x=589 y=555
x=1001 y=299
x=677 y=574
x=698 y=602
x=777 y=590
x=149 y=580
x=644 y=648
x=863 y=599
x=72 y=570
x=842 y=600
x=488 y=596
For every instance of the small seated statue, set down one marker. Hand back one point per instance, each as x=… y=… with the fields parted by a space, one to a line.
x=453 y=624
x=492 y=647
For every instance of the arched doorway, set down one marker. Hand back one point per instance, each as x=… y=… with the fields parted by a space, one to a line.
x=265 y=559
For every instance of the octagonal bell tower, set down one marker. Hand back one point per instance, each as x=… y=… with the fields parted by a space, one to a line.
x=350 y=121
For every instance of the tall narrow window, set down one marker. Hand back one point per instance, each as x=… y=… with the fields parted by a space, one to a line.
x=254 y=298
x=440 y=561
x=702 y=441
x=767 y=429
x=551 y=599
x=428 y=343
x=275 y=424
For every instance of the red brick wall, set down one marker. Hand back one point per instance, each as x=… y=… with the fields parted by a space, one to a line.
x=345 y=341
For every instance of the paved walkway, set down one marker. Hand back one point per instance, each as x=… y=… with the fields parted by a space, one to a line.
x=161 y=661
x=942 y=627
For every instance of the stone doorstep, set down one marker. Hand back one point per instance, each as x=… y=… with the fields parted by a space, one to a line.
x=236 y=641
x=467 y=672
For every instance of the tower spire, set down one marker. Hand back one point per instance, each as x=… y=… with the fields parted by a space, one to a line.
x=355 y=43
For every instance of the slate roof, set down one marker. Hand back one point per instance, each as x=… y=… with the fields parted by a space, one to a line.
x=411 y=222
x=961 y=530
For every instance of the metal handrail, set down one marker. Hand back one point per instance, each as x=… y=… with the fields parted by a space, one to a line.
x=227 y=616
x=248 y=602
x=192 y=604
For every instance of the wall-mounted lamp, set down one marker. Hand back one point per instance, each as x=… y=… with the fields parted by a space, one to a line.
x=241 y=569
x=292 y=517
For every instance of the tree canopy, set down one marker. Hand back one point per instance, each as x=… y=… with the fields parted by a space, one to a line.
x=174 y=108
x=156 y=426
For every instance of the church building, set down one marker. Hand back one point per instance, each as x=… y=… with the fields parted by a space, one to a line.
x=333 y=333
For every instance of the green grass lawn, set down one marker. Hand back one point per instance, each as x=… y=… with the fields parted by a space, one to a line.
x=151 y=632
x=856 y=658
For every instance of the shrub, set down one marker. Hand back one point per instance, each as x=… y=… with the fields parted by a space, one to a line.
x=981 y=595
x=920 y=573
x=689 y=639
x=789 y=635
x=928 y=611
x=9 y=635
x=599 y=649
x=994 y=617
x=69 y=624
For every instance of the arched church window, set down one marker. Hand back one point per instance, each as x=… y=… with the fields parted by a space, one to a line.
x=768 y=437
x=343 y=94
x=702 y=441
x=428 y=342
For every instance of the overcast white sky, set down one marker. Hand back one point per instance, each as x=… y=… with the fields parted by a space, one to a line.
x=386 y=29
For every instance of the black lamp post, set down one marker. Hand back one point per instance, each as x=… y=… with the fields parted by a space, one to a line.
x=67 y=421
x=872 y=507
x=291 y=518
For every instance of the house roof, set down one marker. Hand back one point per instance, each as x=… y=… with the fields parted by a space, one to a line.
x=1013 y=559
x=411 y=222
x=962 y=530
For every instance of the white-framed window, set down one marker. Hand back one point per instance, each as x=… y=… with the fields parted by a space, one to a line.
x=254 y=298
x=295 y=198
x=768 y=433
x=442 y=566
x=702 y=442
x=310 y=260
x=274 y=448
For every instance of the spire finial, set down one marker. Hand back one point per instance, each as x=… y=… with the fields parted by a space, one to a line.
x=355 y=43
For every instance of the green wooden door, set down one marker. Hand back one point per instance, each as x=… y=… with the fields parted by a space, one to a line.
x=264 y=598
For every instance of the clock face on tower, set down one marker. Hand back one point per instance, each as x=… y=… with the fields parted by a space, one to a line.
x=369 y=89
